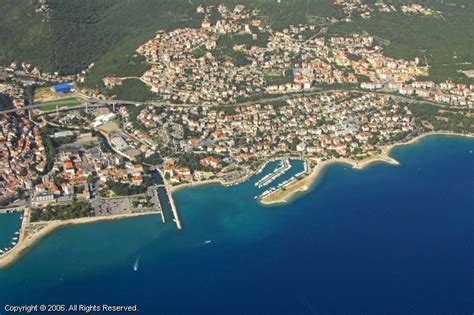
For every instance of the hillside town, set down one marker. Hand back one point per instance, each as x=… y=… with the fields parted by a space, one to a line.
x=366 y=9
x=235 y=56
x=44 y=161
x=232 y=95
x=339 y=124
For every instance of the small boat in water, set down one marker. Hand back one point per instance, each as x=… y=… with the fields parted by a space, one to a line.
x=135 y=265
x=207 y=242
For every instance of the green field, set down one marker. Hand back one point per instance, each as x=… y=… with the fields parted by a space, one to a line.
x=65 y=102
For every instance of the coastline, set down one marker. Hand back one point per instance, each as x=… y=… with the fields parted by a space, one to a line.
x=28 y=241
x=278 y=197
x=291 y=191
x=179 y=187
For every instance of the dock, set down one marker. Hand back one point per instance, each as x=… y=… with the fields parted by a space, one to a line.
x=268 y=179
x=174 y=209
x=285 y=183
x=25 y=220
x=153 y=192
x=159 y=206
x=11 y=210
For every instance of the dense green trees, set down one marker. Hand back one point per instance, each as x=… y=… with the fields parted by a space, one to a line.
x=75 y=34
x=5 y=101
x=132 y=90
x=436 y=118
x=62 y=212
x=444 y=42
x=121 y=189
x=46 y=133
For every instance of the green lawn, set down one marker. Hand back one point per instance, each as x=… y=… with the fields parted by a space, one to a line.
x=66 y=102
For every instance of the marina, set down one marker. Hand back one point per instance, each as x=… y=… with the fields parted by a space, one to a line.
x=283 y=172
x=164 y=200
x=10 y=210
x=283 y=167
x=261 y=168
x=169 y=211
x=10 y=224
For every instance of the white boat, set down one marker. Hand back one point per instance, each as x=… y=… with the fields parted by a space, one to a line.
x=207 y=242
x=135 y=265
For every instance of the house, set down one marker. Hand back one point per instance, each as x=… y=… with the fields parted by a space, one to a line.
x=301 y=147
x=137 y=180
x=69 y=167
x=110 y=82
x=210 y=162
x=406 y=90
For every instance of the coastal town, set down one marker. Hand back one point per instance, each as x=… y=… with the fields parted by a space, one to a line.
x=230 y=96
x=238 y=57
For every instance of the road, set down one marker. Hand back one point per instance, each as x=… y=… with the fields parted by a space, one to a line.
x=94 y=103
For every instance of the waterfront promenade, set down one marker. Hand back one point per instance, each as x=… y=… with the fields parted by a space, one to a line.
x=11 y=209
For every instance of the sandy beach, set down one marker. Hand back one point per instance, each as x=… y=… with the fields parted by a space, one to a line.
x=285 y=195
x=290 y=191
x=28 y=240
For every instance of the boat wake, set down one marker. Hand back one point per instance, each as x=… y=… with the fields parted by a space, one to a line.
x=135 y=265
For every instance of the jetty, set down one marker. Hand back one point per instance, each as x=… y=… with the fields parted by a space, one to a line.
x=153 y=193
x=157 y=203
x=11 y=210
x=164 y=185
x=260 y=169
x=174 y=210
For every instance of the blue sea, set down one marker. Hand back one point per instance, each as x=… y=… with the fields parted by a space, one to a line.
x=383 y=240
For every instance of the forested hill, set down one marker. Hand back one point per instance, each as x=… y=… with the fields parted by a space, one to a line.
x=68 y=35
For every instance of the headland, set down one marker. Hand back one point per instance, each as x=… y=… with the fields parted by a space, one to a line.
x=291 y=190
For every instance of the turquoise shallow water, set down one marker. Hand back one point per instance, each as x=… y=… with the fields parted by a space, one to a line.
x=387 y=239
x=9 y=224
